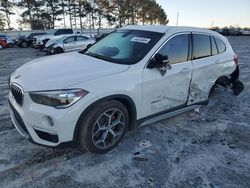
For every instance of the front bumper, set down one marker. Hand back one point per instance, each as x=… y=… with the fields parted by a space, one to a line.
x=31 y=121
x=49 y=50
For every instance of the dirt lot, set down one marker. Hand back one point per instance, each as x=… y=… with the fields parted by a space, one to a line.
x=207 y=148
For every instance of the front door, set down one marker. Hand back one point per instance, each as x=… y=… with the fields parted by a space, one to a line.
x=69 y=44
x=170 y=91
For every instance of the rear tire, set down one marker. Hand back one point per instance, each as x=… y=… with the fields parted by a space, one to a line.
x=103 y=127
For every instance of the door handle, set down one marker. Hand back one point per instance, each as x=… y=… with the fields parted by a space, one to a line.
x=185 y=70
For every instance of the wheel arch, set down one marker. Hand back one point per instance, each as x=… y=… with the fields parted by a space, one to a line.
x=124 y=99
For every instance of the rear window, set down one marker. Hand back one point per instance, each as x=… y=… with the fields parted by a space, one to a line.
x=201 y=46
x=221 y=45
x=213 y=46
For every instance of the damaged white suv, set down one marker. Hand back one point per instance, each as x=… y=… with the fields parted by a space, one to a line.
x=134 y=76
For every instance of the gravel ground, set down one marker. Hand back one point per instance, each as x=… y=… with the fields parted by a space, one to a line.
x=205 y=148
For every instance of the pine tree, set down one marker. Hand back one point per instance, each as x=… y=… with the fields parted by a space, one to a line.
x=54 y=11
x=6 y=7
x=2 y=24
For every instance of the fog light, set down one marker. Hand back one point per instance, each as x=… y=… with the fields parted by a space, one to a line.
x=50 y=121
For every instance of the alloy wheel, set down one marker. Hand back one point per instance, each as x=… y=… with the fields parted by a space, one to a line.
x=108 y=128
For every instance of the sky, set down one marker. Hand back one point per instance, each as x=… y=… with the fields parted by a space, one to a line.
x=207 y=13
x=200 y=13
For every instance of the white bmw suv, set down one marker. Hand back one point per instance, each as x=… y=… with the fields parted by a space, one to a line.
x=134 y=76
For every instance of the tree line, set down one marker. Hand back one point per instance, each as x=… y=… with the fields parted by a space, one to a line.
x=46 y=14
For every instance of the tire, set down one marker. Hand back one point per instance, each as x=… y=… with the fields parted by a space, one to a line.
x=96 y=133
x=10 y=45
x=24 y=44
x=58 y=50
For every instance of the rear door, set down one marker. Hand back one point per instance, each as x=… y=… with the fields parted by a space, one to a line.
x=208 y=67
x=81 y=42
x=170 y=91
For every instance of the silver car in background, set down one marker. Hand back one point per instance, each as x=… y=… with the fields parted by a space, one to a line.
x=68 y=43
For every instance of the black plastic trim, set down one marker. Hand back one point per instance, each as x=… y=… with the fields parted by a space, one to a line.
x=140 y=121
x=18 y=118
x=235 y=75
x=46 y=136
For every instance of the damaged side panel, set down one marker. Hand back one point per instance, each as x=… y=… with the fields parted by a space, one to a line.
x=206 y=72
x=161 y=93
x=203 y=78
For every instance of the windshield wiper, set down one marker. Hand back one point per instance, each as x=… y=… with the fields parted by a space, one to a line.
x=100 y=56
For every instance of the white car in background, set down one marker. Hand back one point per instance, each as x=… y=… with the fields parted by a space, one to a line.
x=135 y=76
x=68 y=43
x=41 y=40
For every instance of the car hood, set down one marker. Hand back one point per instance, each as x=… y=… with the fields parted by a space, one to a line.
x=43 y=37
x=55 y=39
x=62 y=71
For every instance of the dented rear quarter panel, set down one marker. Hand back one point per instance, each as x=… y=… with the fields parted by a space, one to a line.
x=208 y=70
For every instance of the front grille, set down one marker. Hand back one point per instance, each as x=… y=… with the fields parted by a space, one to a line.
x=17 y=93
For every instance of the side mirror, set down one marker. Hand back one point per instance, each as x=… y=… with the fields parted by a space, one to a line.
x=160 y=62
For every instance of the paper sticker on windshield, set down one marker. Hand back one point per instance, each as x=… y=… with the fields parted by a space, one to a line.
x=140 y=39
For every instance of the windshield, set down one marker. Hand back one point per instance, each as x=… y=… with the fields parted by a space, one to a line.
x=124 y=46
x=52 y=31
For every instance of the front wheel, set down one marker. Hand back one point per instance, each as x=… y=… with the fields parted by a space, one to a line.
x=10 y=45
x=24 y=44
x=58 y=50
x=103 y=127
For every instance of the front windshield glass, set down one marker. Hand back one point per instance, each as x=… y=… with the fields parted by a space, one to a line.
x=52 y=31
x=124 y=46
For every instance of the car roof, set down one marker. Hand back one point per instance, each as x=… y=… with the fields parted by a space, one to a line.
x=165 y=28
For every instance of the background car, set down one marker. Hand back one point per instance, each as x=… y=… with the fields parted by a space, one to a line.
x=9 y=40
x=26 y=41
x=245 y=32
x=40 y=41
x=3 y=44
x=68 y=43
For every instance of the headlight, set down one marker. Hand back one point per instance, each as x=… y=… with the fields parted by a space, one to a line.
x=58 y=98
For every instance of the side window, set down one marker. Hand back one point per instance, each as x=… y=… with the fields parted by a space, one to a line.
x=213 y=45
x=63 y=32
x=67 y=31
x=176 y=49
x=58 y=32
x=81 y=38
x=70 y=39
x=221 y=46
x=201 y=46
x=31 y=35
